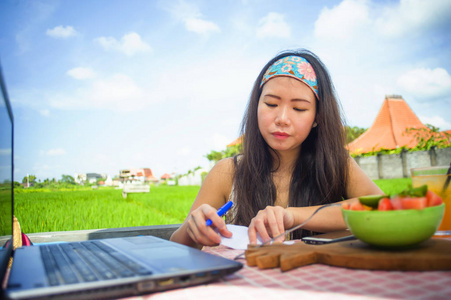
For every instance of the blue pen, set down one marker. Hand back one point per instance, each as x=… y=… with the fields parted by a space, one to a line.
x=221 y=211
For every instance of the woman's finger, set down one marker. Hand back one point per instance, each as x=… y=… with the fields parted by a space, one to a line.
x=260 y=226
x=252 y=233
x=280 y=215
x=202 y=233
x=272 y=220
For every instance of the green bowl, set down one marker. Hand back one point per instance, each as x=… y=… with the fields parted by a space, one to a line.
x=394 y=228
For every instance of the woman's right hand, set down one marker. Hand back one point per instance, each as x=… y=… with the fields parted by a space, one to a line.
x=269 y=223
x=202 y=234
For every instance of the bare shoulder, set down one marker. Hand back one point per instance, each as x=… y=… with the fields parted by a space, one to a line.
x=225 y=166
x=222 y=173
x=218 y=183
x=352 y=165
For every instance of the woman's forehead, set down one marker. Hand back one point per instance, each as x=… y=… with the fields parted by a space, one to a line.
x=288 y=87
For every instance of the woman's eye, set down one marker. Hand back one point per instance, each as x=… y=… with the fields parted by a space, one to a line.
x=271 y=105
x=299 y=109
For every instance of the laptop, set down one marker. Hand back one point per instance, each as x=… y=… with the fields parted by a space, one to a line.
x=103 y=268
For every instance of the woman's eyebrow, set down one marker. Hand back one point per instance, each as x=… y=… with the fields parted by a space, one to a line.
x=279 y=98
x=300 y=100
x=272 y=96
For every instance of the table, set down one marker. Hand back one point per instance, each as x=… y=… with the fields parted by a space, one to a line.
x=314 y=282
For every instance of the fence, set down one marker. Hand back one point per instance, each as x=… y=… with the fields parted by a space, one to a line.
x=387 y=166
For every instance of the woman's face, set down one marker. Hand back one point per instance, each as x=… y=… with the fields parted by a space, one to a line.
x=286 y=113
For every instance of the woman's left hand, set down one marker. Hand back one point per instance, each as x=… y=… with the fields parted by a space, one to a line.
x=270 y=222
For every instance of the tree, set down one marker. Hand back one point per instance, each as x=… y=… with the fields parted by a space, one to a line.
x=29 y=178
x=353 y=132
x=228 y=152
x=214 y=156
x=67 y=179
x=232 y=150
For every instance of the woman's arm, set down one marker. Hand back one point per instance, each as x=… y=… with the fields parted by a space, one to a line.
x=274 y=220
x=359 y=184
x=213 y=193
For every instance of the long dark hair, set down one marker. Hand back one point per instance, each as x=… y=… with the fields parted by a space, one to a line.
x=320 y=173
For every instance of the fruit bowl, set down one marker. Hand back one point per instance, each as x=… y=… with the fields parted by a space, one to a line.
x=394 y=228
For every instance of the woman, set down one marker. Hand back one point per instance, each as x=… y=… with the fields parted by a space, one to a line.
x=294 y=160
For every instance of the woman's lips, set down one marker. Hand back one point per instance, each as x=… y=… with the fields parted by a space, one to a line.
x=280 y=135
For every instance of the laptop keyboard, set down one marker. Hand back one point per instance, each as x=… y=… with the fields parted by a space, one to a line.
x=86 y=262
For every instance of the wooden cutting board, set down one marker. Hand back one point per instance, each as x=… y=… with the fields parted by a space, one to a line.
x=434 y=254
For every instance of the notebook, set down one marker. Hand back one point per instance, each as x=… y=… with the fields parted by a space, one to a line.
x=104 y=268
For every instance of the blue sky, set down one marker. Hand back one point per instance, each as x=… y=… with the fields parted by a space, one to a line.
x=99 y=86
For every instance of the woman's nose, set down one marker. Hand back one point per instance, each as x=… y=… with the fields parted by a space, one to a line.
x=282 y=117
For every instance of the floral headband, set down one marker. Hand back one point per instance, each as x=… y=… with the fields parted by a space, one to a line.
x=296 y=67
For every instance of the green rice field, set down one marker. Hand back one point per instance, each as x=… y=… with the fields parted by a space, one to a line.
x=46 y=211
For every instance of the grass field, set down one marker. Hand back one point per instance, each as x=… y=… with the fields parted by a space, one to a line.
x=39 y=211
x=45 y=211
x=393 y=186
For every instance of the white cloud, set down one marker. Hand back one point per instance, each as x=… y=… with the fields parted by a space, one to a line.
x=130 y=44
x=56 y=152
x=192 y=18
x=61 y=32
x=209 y=77
x=118 y=92
x=182 y=10
x=436 y=121
x=81 y=73
x=413 y=16
x=342 y=21
x=123 y=93
x=201 y=26
x=273 y=25
x=44 y=112
x=366 y=62
x=426 y=83
x=108 y=43
x=352 y=19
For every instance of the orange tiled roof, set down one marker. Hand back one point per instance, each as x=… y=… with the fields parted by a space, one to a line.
x=389 y=128
x=147 y=172
x=238 y=141
x=165 y=176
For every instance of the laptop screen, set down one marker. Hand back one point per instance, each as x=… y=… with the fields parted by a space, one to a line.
x=6 y=163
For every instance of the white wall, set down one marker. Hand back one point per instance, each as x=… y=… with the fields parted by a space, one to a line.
x=192 y=178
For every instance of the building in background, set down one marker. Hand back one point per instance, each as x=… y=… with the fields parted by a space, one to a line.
x=169 y=179
x=389 y=129
x=88 y=177
x=143 y=175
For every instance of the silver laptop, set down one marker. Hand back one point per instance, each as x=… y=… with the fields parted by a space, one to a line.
x=104 y=268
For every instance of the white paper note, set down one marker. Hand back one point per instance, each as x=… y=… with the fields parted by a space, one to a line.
x=240 y=238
